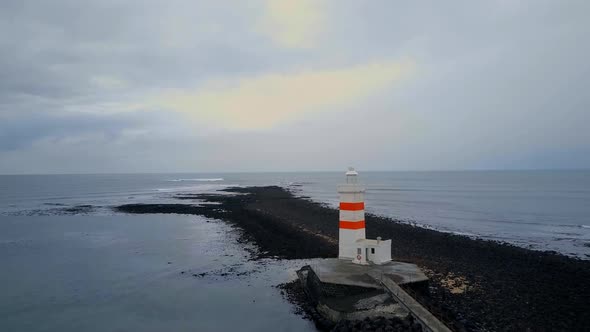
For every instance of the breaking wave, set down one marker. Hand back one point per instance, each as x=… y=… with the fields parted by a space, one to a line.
x=197 y=180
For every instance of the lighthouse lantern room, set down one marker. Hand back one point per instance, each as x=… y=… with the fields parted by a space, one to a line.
x=352 y=243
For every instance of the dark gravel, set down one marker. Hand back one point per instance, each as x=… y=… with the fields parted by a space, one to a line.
x=294 y=292
x=482 y=285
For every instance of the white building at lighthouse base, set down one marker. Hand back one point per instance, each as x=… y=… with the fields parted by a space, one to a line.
x=374 y=251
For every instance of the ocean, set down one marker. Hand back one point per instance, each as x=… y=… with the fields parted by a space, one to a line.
x=68 y=262
x=542 y=210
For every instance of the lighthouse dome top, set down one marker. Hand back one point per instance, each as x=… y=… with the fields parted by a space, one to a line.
x=352 y=176
x=351 y=172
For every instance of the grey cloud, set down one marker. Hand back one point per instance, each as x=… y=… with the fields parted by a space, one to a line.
x=500 y=84
x=53 y=49
x=21 y=131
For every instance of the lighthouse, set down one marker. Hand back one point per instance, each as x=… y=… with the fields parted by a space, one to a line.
x=352 y=242
x=352 y=215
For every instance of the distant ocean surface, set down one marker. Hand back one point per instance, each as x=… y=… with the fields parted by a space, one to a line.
x=543 y=210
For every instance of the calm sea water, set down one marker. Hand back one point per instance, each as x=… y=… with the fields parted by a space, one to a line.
x=69 y=263
x=125 y=273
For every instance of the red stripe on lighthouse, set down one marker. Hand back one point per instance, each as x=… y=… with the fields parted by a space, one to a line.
x=352 y=224
x=352 y=206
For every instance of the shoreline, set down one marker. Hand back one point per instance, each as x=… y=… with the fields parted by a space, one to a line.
x=482 y=284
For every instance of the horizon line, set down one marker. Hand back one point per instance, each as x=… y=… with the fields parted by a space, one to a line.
x=310 y=171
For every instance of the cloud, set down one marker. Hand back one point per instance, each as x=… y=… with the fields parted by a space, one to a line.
x=105 y=86
x=108 y=82
x=292 y=23
x=267 y=100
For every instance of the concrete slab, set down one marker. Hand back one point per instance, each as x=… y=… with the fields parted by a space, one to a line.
x=428 y=321
x=344 y=272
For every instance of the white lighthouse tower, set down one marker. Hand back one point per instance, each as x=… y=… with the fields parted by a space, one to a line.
x=352 y=215
x=352 y=244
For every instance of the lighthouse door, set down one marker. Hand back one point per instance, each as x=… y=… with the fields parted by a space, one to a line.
x=367 y=254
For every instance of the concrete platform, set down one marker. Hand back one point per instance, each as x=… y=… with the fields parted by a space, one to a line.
x=344 y=272
x=428 y=321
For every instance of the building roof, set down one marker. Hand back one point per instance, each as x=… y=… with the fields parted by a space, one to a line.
x=370 y=242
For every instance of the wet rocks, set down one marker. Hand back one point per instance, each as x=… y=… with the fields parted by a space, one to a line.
x=159 y=209
x=295 y=293
x=379 y=324
x=234 y=271
x=84 y=209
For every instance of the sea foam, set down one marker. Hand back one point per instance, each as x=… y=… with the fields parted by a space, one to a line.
x=197 y=180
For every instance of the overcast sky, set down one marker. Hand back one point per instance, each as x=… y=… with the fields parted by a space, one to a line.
x=99 y=86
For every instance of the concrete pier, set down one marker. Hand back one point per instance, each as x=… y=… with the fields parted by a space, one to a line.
x=426 y=319
x=342 y=290
x=344 y=272
x=326 y=275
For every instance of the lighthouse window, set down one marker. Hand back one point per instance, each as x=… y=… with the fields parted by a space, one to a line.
x=359 y=251
x=372 y=250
